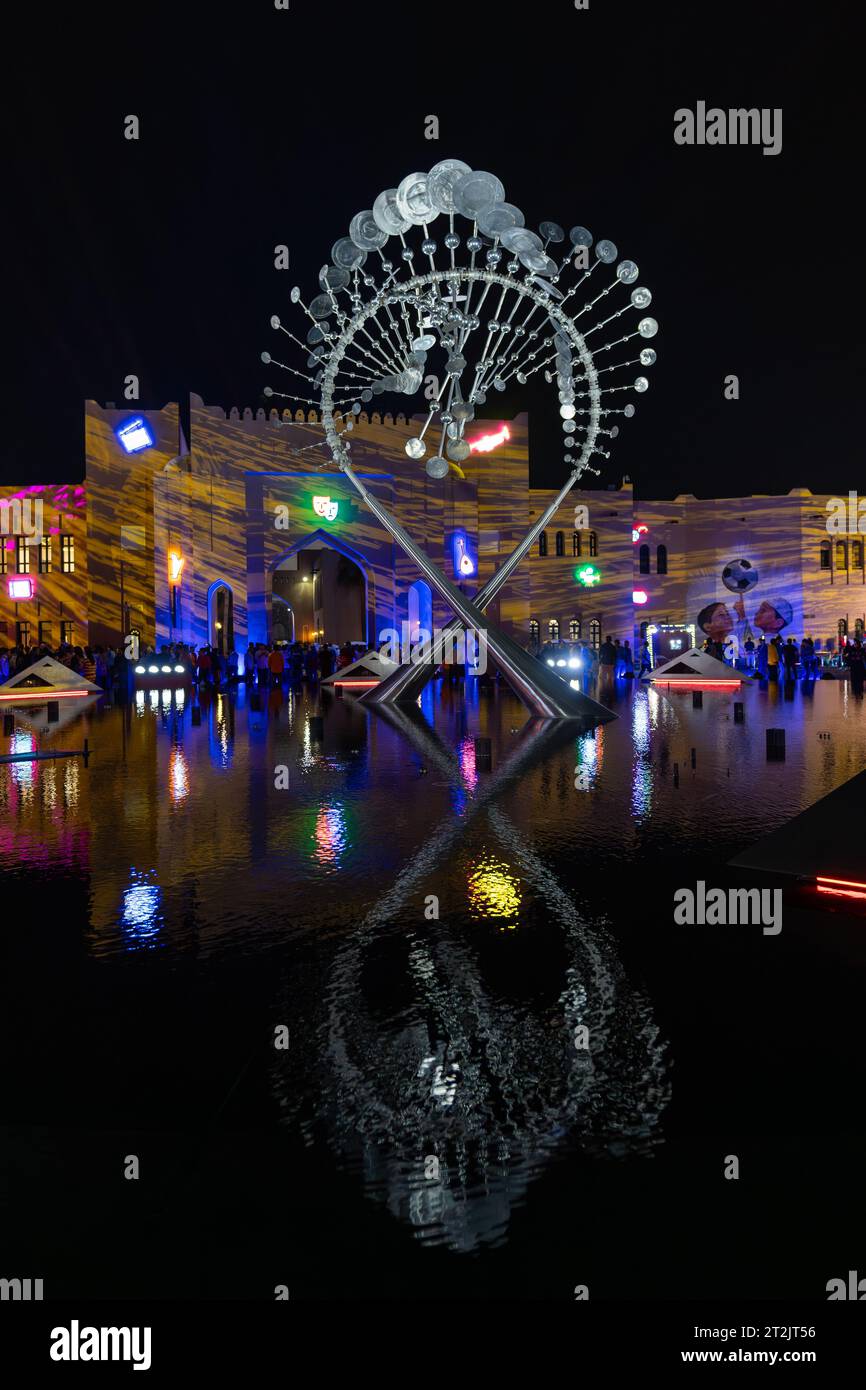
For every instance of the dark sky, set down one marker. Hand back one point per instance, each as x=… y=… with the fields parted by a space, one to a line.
x=260 y=126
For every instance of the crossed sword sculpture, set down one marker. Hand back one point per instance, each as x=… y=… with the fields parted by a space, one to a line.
x=544 y=693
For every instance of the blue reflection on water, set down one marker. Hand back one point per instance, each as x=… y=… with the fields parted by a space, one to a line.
x=141 y=918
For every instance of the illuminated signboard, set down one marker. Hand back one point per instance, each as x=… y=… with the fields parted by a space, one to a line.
x=20 y=588
x=176 y=563
x=637 y=532
x=588 y=576
x=325 y=508
x=463 y=561
x=134 y=435
x=640 y=596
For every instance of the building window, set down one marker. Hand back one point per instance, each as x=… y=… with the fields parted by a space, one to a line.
x=843 y=630
x=553 y=630
x=4 y=564
x=856 y=555
x=533 y=631
x=841 y=555
x=595 y=632
x=45 y=555
x=858 y=629
x=574 y=630
x=825 y=555
x=593 y=543
x=22 y=555
x=560 y=542
x=575 y=544
x=45 y=635
x=66 y=635
x=542 y=543
x=661 y=559
x=67 y=554
x=643 y=559
x=22 y=634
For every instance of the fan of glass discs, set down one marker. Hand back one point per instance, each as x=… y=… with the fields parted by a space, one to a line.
x=441 y=293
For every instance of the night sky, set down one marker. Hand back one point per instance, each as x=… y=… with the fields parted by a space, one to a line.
x=261 y=127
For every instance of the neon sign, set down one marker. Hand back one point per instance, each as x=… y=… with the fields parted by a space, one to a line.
x=134 y=435
x=176 y=563
x=489 y=441
x=20 y=588
x=640 y=596
x=325 y=508
x=637 y=532
x=588 y=576
x=463 y=561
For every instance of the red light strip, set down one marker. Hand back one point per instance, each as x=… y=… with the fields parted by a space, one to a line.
x=841 y=882
x=842 y=893
x=366 y=684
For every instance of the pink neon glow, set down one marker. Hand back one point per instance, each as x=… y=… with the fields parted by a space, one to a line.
x=693 y=685
x=43 y=695
x=638 y=531
x=640 y=596
x=489 y=441
x=20 y=588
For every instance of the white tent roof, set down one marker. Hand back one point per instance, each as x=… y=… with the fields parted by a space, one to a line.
x=693 y=665
x=372 y=665
x=46 y=675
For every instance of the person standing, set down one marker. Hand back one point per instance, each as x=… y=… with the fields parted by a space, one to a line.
x=627 y=661
x=646 y=661
x=773 y=659
x=276 y=666
x=790 y=655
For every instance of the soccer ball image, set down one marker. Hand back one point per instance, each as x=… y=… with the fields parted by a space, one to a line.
x=739 y=576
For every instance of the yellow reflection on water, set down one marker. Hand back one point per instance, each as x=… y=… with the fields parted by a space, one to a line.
x=494 y=892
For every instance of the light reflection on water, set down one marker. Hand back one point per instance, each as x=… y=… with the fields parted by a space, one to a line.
x=441 y=930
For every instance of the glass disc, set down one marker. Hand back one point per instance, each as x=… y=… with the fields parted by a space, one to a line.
x=365 y=231
x=413 y=201
x=346 y=255
x=497 y=219
x=477 y=191
x=386 y=216
x=441 y=180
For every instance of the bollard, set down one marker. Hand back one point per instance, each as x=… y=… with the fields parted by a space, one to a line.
x=483 y=755
x=694 y=757
x=697 y=699
x=53 y=711
x=196 y=716
x=739 y=712
x=776 y=745
x=317 y=727
x=676 y=774
x=8 y=724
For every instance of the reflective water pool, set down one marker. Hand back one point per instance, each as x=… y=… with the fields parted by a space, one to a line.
x=421 y=997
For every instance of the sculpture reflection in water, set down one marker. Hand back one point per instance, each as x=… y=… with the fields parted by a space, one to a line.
x=449 y=1102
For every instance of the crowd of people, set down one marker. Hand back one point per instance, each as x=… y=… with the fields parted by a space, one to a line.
x=310 y=662
x=260 y=663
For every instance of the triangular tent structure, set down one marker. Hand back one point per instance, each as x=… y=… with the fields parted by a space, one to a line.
x=694 y=668
x=368 y=670
x=48 y=678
